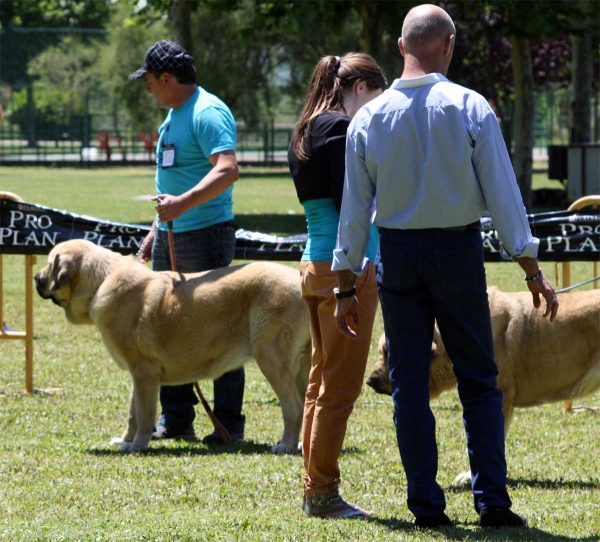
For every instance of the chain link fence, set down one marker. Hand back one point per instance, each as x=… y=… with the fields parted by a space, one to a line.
x=88 y=140
x=106 y=139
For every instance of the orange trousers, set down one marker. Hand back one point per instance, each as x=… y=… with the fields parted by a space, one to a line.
x=337 y=372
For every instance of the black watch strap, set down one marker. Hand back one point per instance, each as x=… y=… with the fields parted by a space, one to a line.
x=342 y=295
x=534 y=277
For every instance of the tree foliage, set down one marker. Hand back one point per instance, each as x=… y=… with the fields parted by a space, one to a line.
x=27 y=27
x=257 y=55
x=121 y=55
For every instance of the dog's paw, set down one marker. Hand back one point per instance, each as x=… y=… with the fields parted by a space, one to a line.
x=116 y=440
x=126 y=447
x=281 y=448
x=463 y=479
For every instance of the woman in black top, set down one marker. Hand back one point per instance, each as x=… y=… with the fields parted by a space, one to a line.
x=337 y=90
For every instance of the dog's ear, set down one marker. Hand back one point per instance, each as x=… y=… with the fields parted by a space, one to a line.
x=63 y=271
x=437 y=346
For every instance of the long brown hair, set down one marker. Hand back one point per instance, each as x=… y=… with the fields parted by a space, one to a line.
x=331 y=77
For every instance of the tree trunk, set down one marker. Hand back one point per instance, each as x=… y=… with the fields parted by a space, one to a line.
x=181 y=12
x=371 y=14
x=581 y=131
x=30 y=131
x=523 y=118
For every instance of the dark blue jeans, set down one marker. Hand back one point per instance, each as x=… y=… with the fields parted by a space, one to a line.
x=201 y=250
x=423 y=276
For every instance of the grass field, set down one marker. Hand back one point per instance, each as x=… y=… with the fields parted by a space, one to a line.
x=60 y=480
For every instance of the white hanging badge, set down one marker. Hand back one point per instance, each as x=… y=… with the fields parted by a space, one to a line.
x=168 y=156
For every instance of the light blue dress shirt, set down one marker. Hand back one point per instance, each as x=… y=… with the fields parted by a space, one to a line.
x=430 y=154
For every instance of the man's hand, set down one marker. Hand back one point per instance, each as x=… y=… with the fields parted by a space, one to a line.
x=168 y=207
x=539 y=286
x=346 y=313
x=346 y=310
x=542 y=286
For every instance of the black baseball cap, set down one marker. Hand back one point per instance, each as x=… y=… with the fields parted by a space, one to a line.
x=163 y=56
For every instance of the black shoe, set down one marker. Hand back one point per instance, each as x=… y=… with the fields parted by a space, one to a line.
x=500 y=517
x=440 y=520
x=162 y=433
x=214 y=439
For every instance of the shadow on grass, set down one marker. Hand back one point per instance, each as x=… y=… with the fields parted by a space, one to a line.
x=352 y=450
x=554 y=484
x=457 y=532
x=536 y=484
x=394 y=524
x=247 y=447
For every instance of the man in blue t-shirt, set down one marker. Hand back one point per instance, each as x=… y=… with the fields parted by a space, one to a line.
x=196 y=167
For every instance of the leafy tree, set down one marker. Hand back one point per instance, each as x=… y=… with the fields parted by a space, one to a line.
x=524 y=23
x=250 y=52
x=67 y=69
x=64 y=76
x=121 y=55
x=259 y=54
x=28 y=27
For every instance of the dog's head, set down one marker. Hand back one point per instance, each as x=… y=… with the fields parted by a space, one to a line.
x=74 y=272
x=379 y=379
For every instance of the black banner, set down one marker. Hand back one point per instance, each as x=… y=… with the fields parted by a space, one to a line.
x=27 y=228
x=565 y=236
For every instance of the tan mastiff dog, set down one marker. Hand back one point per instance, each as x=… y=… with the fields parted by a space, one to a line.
x=171 y=328
x=539 y=362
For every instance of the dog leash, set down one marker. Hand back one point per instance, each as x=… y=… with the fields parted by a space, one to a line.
x=577 y=285
x=219 y=427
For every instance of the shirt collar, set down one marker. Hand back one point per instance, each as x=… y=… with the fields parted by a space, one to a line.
x=429 y=79
x=192 y=99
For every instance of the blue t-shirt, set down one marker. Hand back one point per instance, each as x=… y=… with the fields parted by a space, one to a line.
x=201 y=127
x=322 y=221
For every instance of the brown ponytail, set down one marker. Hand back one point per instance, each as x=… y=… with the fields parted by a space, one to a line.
x=331 y=76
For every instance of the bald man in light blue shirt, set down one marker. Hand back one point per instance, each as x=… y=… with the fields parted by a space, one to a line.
x=423 y=162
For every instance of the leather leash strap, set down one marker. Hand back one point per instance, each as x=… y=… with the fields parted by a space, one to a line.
x=219 y=427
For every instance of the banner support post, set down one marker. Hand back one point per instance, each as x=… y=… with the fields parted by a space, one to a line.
x=27 y=335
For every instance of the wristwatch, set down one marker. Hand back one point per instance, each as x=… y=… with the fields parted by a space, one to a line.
x=342 y=295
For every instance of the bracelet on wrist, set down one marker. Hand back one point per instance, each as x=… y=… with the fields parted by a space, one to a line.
x=342 y=295
x=534 y=277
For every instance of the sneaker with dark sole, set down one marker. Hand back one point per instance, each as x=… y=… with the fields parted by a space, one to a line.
x=500 y=517
x=332 y=506
x=214 y=439
x=439 y=520
x=162 y=433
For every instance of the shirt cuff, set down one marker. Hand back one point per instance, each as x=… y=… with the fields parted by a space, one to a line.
x=530 y=250
x=342 y=262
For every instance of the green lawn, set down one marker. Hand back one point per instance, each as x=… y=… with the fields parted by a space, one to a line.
x=60 y=480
